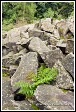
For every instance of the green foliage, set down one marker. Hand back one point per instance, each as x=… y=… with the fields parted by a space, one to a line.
x=44 y=75
x=34 y=107
x=49 y=13
x=29 y=11
x=4 y=75
x=64 y=90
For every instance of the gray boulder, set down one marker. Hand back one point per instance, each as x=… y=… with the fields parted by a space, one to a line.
x=14 y=35
x=35 y=33
x=12 y=69
x=68 y=63
x=28 y=63
x=70 y=46
x=63 y=79
x=24 y=35
x=54 y=98
x=62 y=28
x=52 y=40
x=46 y=25
x=52 y=56
x=52 y=47
x=36 y=44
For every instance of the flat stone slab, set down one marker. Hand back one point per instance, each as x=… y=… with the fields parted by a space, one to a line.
x=54 y=98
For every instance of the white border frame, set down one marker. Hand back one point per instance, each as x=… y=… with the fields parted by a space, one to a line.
x=1 y=55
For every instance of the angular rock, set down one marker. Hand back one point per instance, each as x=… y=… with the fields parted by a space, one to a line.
x=52 y=56
x=70 y=22
x=35 y=33
x=70 y=46
x=36 y=44
x=62 y=28
x=8 y=102
x=63 y=79
x=68 y=63
x=56 y=34
x=52 y=47
x=54 y=98
x=7 y=60
x=28 y=63
x=24 y=35
x=5 y=41
x=53 y=40
x=12 y=69
x=14 y=35
x=61 y=43
x=46 y=25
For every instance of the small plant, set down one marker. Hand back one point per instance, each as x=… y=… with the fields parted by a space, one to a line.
x=44 y=75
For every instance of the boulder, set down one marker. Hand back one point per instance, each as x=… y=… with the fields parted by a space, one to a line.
x=28 y=63
x=35 y=33
x=14 y=35
x=7 y=60
x=52 y=40
x=8 y=102
x=68 y=63
x=24 y=35
x=62 y=28
x=62 y=45
x=54 y=98
x=36 y=44
x=52 y=47
x=52 y=56
x=70 y=46
x=70 y=22
x=56 y=34
x=63 y=79
x=46 y=25
x=12 y=69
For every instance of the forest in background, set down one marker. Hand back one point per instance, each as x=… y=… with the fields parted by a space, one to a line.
x=28 y=12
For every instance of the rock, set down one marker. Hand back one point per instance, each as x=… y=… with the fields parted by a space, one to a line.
x=62 y=28
x=8 y=102
x=52 y=40
x=5 y=50
x=24 y=35
x=63 y=80
x=12 y=69
x=70 y=46
x=52 y=56
x=14 y=35
x=7 y=60
x=70 y=22
x=28 y=63
x=36 y=44
x=4 y=35
x=52 y=47
x=46 y=25
x=56 y=34
x=26 y=41
x=12 y=58
x=61 y=43
x=35 y=33
x=54 y=98
x=68 y=63
x=5 y=41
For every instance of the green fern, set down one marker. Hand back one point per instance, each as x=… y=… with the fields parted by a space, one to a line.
x=44 y=75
